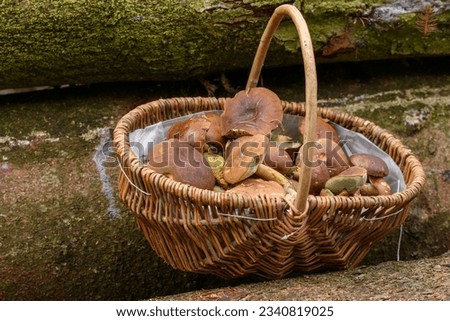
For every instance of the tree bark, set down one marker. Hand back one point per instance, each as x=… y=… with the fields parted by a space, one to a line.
x=55 y=42
x=425 y=279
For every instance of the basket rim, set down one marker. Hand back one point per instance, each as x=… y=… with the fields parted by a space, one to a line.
x=207 y=197
x=177 y=209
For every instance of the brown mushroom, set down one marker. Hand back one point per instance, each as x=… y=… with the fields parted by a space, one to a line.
x=214 y=136
x=368 y=190
x=327 y=151
x=319 y=176
x=277 y=158
x=192 y=130
x=181 y=162
x=258 y=111
x=244 y=159
x=381 y=185
x=289 y=145
x=243 y=156
x=323 y=129
x=270 y=174
x=326 y=193
x=374 y=165
x=349 y=180
x=291 y=148
x=257 y=186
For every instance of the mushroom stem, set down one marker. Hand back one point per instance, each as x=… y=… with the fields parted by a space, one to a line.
x=270 y=174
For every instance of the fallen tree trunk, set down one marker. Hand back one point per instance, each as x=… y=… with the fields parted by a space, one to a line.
x=50 y=42
x=425 y=279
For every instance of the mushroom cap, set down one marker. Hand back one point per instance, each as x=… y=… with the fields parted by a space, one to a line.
x=257 y=112
x=368 y=190
x=289 y=145
x=381 y=185
x=374 y=165
x=192 y=130
x=279 y=159
x=325 y=193
x=257 y=186
x=319 y=176
x=244 y=155
x=327 y=151
x=349 y=180
x=181 y=162
x=214 y=134
x=323 y=129
x=319 y=171
x=291 y=148
x=280 y=138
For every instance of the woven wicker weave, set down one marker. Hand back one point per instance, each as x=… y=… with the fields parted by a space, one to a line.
x=234 y=235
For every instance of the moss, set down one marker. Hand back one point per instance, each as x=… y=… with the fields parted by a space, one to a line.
x=389 y=112
x=262 y=3
x=370 y=39
x=123 y=39
x=340 y=6
x=66 y=42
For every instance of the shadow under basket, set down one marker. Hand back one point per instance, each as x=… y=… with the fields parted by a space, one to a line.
x=233 y=235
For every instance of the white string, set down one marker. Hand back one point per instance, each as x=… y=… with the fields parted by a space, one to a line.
x=129 y=180
x=222 y=214
x=286 y=236
x=248 y=217
x=386 y=216
x=401 y=230
x=401 y=226
x=399 y=242
x=380 y=218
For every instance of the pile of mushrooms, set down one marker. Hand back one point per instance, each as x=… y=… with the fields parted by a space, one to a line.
x=244 y=151
x=334 y=173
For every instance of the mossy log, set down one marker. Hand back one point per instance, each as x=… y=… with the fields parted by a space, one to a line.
x=55 y=42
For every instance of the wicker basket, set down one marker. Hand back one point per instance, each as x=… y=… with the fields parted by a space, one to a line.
x=234 y=235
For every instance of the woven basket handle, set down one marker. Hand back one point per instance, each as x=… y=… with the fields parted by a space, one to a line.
x=310 y=87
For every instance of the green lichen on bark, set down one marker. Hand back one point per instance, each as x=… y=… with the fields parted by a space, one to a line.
x=351 y=31
x=54 y=42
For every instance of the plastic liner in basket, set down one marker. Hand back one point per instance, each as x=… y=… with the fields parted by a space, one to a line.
x=352 y=142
